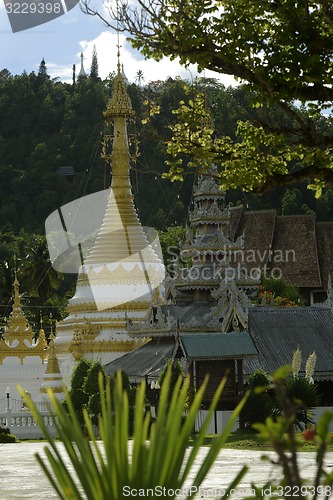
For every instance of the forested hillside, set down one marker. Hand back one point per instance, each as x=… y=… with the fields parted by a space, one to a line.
x=46 y=124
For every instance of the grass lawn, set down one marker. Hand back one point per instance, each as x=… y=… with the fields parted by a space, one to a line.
x=246 y=440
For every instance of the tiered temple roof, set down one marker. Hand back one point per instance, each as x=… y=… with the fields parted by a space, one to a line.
x=211 y=294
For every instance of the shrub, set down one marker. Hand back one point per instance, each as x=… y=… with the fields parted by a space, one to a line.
x=164 y=461
x=263 y=401
x=7 y=437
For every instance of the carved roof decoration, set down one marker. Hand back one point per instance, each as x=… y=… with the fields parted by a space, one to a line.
x=231 y=312
x=120 y=103
x=18 y=338
x=208 y=185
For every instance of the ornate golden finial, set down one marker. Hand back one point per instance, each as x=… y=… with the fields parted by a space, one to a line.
x=118 y=56
x=75 y=347
x=16 y=286
x=120 y=103
x=118 y=39
x=42 y=339
x=51 y=334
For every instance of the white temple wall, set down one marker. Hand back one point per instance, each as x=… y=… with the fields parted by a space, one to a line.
x=30 y=377
x=67 y=362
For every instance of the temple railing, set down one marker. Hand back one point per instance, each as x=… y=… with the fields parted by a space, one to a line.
x=23 y=425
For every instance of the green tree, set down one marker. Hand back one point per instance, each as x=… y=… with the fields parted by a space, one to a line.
x=281 y=50
x=77 y=393
x=139 y=77
x=39 y=276
x=171 y=239
x=283 y=293
x=265 y=402
x=291 y=202
x=94 y=65
x=42 y=71
x=91 y=389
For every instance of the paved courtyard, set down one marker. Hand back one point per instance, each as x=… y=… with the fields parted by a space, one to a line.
x=21 y=477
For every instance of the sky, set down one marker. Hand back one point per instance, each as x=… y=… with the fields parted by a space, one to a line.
x=61 y=41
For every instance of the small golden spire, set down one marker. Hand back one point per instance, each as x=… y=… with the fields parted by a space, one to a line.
x=52 y=378
x=51 y=334
x=52 y=362
x=16 y=286
x=17 y=322
x=120 y=104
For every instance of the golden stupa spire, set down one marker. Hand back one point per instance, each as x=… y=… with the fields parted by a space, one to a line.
x=52 y=378
x=121 y=235
x=42 y=339
x=17 y=322
x=122 y=268
x=52 y=362
x=120 y=104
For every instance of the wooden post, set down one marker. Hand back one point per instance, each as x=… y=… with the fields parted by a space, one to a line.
x=240 y=384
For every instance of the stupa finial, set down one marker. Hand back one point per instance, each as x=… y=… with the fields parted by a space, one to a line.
x=16 y=286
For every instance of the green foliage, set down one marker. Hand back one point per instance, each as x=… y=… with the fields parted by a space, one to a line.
x=49 y=124
x=91 y=389
x=46 y=124
x=171 y=239
x=280 y=433
x=284 y=293
x=6 y=437
x=304 y=395
x=79 y=398
x=94 y=65
x=104 y=472
x=281 y=50
x=260 y=403
x=258 y=379
x=265 y=402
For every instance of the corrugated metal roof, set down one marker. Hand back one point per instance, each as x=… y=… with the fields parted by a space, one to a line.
x=218 y=345
x=145 y=360
x=277 y=332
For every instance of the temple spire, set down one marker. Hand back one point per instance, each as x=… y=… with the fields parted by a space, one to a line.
x=122 y=269
x=121 y=235
x=52 y=378
x=17 y=322
x=82 y=70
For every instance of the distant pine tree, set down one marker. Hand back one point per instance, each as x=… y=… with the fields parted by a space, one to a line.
x=94 y=65
x=42 y=71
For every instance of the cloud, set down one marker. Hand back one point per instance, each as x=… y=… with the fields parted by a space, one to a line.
x=106 y=47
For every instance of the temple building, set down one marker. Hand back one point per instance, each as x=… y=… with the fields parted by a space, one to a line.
x=294 y=247
x=205 y=320
x=211 y=323
x=23 y=360
x=208 y=285
x=122 y=272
